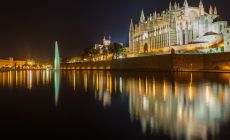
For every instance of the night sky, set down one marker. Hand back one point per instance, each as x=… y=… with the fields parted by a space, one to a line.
x=28 y=28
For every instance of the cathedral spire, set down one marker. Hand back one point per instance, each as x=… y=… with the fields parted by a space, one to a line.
x=201 y=7
x=201 y=4
x=142 y=18
x=155 y=14
x=131 y=25
x=185 y=3
x=210 y=10
x=215 y=11
x=170 y=6
x=175 y=5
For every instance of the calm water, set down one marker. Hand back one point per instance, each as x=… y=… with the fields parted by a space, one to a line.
x=106 y=104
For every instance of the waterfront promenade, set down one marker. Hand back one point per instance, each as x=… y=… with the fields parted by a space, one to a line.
x=219 y=62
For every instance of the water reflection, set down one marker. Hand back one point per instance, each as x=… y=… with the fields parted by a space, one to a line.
x=182 y=105
x=27 y=79
x=31 y=79
x=56 y=86
x=188 y=105
x=193 y=112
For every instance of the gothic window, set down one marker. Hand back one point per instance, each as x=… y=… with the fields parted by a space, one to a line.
x=192 y=34
x=206 y=25
x=183 y=34
x=228 y=41
x=146 y=48
x=221 y=27
x=145 y=36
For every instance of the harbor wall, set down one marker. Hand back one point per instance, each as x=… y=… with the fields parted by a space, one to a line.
x=170 y=62
x=219 y=61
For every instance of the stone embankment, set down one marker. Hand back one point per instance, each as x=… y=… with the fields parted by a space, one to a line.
x=170 y=62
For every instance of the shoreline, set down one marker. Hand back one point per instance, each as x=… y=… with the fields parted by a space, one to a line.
x=131 y=70
x=219 y=62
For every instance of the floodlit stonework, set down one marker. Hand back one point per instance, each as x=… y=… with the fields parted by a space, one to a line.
x=10 y=62
x=185 y=27
x=106 y=43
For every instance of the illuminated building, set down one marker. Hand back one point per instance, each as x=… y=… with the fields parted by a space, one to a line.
x=10 y=62
x=74 y=60
x=181 y=28
x=106 y=43
x=103 y=48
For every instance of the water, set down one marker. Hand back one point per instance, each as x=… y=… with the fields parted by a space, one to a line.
x=134 y=105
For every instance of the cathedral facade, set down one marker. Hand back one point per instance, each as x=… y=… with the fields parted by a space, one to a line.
x=177 y=26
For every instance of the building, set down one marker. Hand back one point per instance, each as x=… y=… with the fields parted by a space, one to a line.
x=179 y=27
x=106 y=43
x=10 y=62
x=103 y=48
x=74 y=60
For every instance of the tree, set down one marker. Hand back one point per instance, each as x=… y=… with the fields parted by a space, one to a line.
x=95 y=52
x=91 y=53
x=86 y=53
x=105 y=52
x=117 y=50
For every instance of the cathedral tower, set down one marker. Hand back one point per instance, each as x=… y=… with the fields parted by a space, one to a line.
x=170 y=6
x=142 y=18
x=175 y=6
x=201 y=7
x=210 y=10
x=186 y=7
x=215 y=11
x=185 y=3
x=131 y=35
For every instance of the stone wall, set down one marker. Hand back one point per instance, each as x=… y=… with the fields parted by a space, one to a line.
x=188 y=62
x=157 y=63
x=219 y=61
x=176 y=62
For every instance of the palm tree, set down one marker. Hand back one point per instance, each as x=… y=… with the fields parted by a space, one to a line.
x=117 y=50
x=105 y=52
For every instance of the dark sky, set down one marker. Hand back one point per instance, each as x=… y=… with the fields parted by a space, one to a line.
x=28 y=28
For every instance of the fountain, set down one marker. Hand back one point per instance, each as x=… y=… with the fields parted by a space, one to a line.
x=57 y=57
x=56 y=74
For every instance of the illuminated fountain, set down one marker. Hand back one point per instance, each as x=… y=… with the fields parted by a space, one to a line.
x=56 y=73
x=57 y=57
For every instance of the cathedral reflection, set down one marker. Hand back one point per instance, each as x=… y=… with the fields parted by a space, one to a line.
x=187 y=105
x=191 y=111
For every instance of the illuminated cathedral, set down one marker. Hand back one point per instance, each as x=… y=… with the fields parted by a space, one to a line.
x=179 y=27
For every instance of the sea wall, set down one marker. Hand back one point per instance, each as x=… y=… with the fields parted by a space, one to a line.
x=219 y=61
x=170 y=62
x=188 y=62
x=156 y=63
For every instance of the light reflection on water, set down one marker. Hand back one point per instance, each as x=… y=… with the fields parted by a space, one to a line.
x=189 y=105
x=56 y=86
x=181 y=105
x=26 y=79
